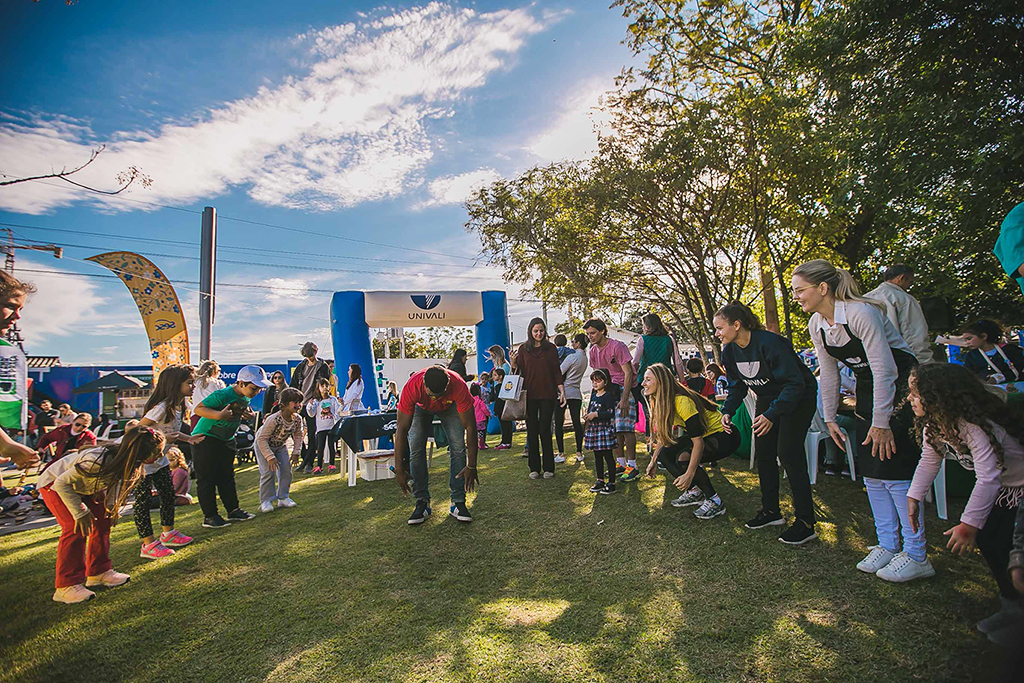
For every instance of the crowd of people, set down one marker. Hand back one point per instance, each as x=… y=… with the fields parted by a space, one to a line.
x=908 y=412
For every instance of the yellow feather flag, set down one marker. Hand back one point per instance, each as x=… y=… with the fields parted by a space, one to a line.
x=158 y=304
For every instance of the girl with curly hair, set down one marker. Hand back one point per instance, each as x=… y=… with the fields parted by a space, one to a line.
x=956 y=417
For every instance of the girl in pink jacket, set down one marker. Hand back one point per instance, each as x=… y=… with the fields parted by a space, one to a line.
x=483 y=413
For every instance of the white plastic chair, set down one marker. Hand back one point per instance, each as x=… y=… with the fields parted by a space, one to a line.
x=818 y=433
x=939 y=487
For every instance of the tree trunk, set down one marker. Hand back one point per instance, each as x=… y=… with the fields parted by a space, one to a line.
x=771 y=304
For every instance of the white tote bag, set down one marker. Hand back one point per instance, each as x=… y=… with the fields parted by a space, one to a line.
x=511 y=388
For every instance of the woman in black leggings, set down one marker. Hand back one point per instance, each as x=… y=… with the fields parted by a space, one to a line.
x=766 y=364
x=573 y=368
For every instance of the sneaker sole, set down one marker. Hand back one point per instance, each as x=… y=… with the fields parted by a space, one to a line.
x=467 y=520
x=685 y=505
x=776 y=522
x=801 y=541
x=176 y=545
x=711 y=516
x=911 y=578
x=215 y=526
x=76 y=602
x=607 y=493
x=145 y=557
x=91 y=586
x=414 y=522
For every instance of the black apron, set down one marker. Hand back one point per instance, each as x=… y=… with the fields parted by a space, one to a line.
x=902 y=465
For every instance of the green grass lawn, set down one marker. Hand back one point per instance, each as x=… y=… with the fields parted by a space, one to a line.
x=549 y=583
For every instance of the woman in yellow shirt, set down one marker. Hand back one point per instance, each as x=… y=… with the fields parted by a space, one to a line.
x=687 y=429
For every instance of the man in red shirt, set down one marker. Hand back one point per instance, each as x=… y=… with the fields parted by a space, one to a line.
x=68 y=437
x=436 y=392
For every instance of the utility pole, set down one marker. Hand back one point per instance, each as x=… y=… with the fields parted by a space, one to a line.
x=13 y=334
x=207 y=280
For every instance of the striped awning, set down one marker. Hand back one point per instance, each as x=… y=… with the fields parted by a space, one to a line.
x=41 y=362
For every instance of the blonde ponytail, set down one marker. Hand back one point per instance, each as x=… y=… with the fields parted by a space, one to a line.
x=840 y=282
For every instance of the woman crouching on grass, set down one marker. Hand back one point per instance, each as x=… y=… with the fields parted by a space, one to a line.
x=688 y=431
x=85 y=492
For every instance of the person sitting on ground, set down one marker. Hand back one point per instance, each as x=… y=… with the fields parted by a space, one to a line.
x=696 y=381
x=179 y=477
x=687 y=428
x=989 y=357
x=441 y=393
x=69 y=437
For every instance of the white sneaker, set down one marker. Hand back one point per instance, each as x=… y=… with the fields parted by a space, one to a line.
x=876 y=559
x=549 y=475
x=904 y=568
x=70 y=595
x=559 y=458
x=267 y=507
x=579 y=458
x=534 y=475
x=109 y=578
x=286 y=503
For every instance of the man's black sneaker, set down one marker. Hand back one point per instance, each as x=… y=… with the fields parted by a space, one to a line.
x=420 y=514
x=460 y=512
x=798 y=534
x=597 y=487
x=608 y=489
x=240 y=515
x=215 y=522
x=763 y=519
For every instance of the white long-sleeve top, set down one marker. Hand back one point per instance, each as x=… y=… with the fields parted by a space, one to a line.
x=353 y=398
x=904 y=312
x=327 y=412
x=73 y=487
x=981 y=457
x=879 y=337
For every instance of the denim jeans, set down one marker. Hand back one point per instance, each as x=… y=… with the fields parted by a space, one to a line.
x=268 y=491
x=888 y=500
x=421 y=429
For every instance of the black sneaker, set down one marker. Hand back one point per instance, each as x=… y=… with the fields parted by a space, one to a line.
x=215 y=522
x=420 y=514
x=763 y=519
x=798 y=534
x=619 y=469
x=460 y=512
x=598 y=486
x=608 y=489
x=240 y=515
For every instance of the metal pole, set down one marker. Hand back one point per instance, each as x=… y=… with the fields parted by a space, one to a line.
x=207 y=280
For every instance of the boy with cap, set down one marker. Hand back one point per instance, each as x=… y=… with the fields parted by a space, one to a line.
x=213 y=458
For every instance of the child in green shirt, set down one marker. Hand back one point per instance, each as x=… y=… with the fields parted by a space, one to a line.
x=213 y=458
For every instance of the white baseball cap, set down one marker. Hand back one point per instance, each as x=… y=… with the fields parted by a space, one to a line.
x=254 y=374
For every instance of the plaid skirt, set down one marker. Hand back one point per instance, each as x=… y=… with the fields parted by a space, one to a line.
x=600 y=436
x=626 y=424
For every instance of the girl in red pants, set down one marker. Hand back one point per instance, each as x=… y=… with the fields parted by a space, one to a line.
x=85 y=491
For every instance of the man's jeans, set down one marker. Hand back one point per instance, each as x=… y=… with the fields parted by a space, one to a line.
x=421 y=429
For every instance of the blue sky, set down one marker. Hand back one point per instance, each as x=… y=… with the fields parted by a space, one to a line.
x=348 y=119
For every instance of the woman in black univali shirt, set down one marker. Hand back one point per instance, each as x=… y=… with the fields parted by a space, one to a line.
x=765 y=363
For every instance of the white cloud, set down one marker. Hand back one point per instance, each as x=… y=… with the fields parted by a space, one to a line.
x=288 y=289
x=355 y=128
x=61 y=306
x=577 y=127
x=455 y=189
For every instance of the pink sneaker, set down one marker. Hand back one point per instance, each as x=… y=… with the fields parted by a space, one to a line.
x=174 y=539
x=331 y=469
x=502 y=447
x=317 y=470
x=155 y=550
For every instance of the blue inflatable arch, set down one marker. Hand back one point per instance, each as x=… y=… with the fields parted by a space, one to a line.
x=353 y=313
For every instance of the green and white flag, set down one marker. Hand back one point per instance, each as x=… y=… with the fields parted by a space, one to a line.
x=13 y=387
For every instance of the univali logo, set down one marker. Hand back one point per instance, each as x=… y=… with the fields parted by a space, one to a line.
x=426 y=302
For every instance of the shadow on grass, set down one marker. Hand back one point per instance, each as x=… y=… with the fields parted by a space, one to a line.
x=549 y=583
